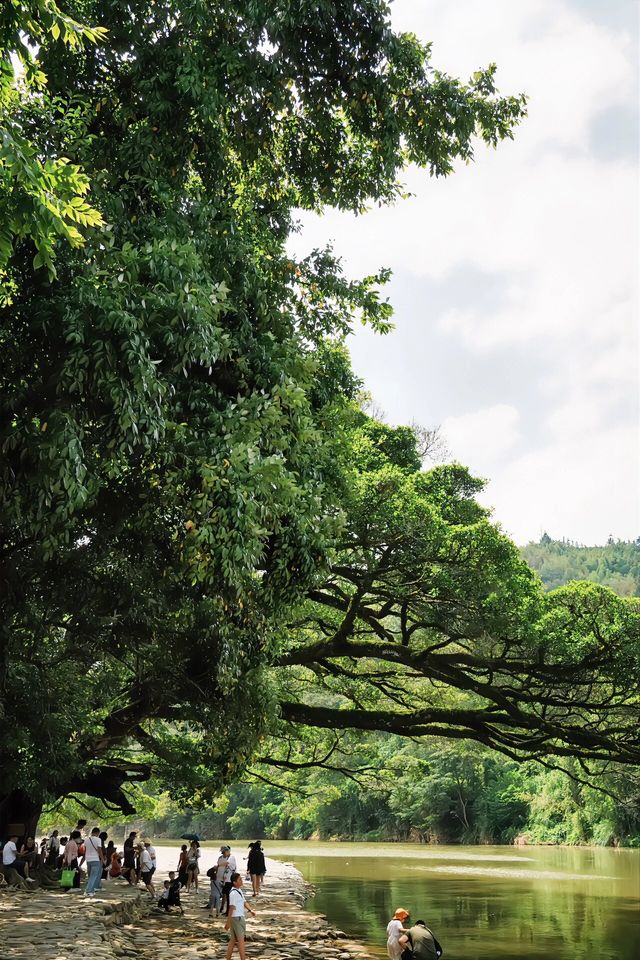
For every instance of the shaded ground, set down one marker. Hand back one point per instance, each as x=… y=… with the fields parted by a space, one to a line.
x=123 y=922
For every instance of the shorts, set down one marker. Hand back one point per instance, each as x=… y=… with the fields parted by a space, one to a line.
x=146 y=876
x=238 y=928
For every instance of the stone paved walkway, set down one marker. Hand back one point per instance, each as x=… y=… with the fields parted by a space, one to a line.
x=123 y=922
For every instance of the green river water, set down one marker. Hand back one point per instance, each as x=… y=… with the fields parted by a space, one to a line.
x=561 y=903
x=482 y=902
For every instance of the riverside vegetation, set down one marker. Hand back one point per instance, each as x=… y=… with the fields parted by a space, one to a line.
x=214 y=565
x=444 y=792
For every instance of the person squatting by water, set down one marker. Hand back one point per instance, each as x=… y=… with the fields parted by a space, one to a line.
x=170 y=896
x=419 y=943
x=236 y=921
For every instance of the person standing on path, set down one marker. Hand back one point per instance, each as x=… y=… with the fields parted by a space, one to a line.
x=226 y=866
x=53 y=850
x=94 y=858
x=146 y=869
x=129 y=869
x=395 y=930
x=421 y=942
x=193 y=868
x=70 y=858
x=236 y=922
x=152 y=853
x=183 y=860
x=256 y=866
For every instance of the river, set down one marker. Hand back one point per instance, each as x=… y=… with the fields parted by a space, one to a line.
x=563 y=903
x=560 y=903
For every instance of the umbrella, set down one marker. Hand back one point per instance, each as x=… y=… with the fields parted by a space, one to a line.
x=190 y=836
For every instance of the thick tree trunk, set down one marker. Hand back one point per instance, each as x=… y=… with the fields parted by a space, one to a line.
x=19 y=814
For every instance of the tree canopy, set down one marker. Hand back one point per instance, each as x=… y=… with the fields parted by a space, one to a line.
x=191 y=511
x=430 y=623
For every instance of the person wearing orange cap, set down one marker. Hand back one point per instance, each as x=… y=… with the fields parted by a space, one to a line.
x=395 y=930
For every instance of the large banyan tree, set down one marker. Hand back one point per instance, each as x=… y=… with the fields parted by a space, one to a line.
x=194 y=518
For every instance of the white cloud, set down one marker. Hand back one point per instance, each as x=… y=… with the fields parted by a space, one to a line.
x=552 y=223
x=583 y=488
x=482 y=437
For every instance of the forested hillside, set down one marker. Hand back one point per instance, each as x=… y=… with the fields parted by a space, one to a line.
x=616 y=565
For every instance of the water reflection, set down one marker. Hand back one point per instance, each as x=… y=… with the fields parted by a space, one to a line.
x=565 y=904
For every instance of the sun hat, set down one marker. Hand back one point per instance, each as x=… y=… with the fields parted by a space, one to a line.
x=401 y=914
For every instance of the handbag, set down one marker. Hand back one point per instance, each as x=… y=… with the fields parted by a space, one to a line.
x=67 y=878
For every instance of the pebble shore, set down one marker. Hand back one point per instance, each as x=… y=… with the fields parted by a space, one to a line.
x=121 y=921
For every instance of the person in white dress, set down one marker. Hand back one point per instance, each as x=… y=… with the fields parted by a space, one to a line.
x=395 y=929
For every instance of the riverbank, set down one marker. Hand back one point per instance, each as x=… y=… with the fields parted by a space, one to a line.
x=123 y=922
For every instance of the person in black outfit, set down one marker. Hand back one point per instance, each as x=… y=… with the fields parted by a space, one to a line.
x=173 y=900
x=129 y=865
x=256 y=866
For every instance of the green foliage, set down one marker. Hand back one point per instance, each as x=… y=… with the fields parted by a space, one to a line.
x=210 y=558
x=437 y=792
x=615 y=565
x=42 y=196
x=175 y=397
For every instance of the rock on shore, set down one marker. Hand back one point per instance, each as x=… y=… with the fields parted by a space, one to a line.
x=123 y=922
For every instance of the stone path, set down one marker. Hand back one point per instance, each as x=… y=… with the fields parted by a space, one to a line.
x=123 y=922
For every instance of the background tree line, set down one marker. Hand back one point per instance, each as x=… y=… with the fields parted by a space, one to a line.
x=615 y=565
x=442 y=792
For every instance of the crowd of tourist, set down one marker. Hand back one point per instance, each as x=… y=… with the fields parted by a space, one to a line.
x=96 y=855
x=92 y=853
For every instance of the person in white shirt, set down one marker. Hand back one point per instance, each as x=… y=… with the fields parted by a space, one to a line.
x=10 y=856
x=226 y=867
x=11 y=860
x=94 y=858
x=164 y=897
x=152 y=854
x=146 y=869
x=53 y=849
x=236 y=922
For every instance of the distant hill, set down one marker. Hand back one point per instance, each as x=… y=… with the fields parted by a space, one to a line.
x=616 y=565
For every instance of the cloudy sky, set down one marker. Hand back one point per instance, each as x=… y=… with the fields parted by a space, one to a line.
x=515 y=284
